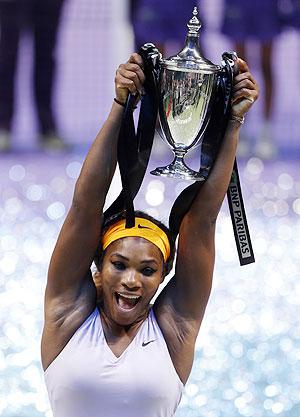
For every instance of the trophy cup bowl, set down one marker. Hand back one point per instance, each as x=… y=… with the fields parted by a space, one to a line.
x=186 y=87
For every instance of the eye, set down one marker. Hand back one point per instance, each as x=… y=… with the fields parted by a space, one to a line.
x=148 y=271
x=120 y=266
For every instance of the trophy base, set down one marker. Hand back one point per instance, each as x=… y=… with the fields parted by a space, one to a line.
x=184 y=173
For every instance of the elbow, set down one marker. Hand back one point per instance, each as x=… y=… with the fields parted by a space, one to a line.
x=205 y=211
x=212 y=216
x=203 y=219
x=85 y=199
x=83 y=210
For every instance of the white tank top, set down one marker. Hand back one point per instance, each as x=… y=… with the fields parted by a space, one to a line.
x=87 y=380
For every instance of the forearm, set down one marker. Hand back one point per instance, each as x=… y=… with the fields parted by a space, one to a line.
x=209 y=199
x=100 y=163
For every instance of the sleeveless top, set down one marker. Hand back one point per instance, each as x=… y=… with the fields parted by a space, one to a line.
x=87 y=380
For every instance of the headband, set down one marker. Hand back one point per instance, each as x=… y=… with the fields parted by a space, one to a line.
x=143 y=228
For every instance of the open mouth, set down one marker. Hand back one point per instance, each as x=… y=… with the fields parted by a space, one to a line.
x=127 y=302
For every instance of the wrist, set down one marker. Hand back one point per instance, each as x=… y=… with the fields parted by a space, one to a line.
x=119 y=102
x=233 y=126
x=237 y=119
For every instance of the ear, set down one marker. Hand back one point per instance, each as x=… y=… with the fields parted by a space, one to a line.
x=163 y=275
x=97 y=278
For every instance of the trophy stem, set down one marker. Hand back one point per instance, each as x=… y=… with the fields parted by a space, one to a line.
x=178 y=169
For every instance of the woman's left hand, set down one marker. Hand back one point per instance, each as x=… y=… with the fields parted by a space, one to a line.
x=245 y=90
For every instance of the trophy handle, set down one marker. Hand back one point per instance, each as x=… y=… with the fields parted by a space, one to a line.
x=152 y=58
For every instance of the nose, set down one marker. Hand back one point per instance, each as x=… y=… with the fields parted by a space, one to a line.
x=131 y=280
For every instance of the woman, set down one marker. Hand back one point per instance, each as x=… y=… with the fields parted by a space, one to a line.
x=105 y=351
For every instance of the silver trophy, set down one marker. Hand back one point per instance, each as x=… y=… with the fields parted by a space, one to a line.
x=186 y=91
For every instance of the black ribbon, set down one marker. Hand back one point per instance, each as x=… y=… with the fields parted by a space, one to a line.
x=239 y=220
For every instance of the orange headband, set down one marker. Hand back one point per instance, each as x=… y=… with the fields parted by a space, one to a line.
x=143 y=228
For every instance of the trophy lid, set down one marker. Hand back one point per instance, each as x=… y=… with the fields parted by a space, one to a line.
x=190 y=58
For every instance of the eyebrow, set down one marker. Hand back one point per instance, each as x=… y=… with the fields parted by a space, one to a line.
x=120 y=256
x=148 y=261
x=145 y=261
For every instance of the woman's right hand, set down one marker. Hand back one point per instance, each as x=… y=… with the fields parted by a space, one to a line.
x=129 y=78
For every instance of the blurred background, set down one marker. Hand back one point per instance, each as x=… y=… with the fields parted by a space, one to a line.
x=57 y=65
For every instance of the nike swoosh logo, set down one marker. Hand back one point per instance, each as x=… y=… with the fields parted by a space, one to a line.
x=143 y=227
x=147 y=343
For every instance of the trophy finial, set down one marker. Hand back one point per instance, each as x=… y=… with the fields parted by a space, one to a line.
x=190 y=56
x=194 y=24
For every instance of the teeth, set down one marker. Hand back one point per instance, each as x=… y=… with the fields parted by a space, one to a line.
x=130 y=297
x=128 y=301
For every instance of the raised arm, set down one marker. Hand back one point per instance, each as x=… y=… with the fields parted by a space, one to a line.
x=196 y=249
x=69 y=271
x=181 y=305
x=70 y=293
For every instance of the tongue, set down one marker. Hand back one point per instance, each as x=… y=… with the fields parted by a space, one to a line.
x=126 y=303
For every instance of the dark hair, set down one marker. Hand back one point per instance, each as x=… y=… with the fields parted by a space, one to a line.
x=115 y=218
